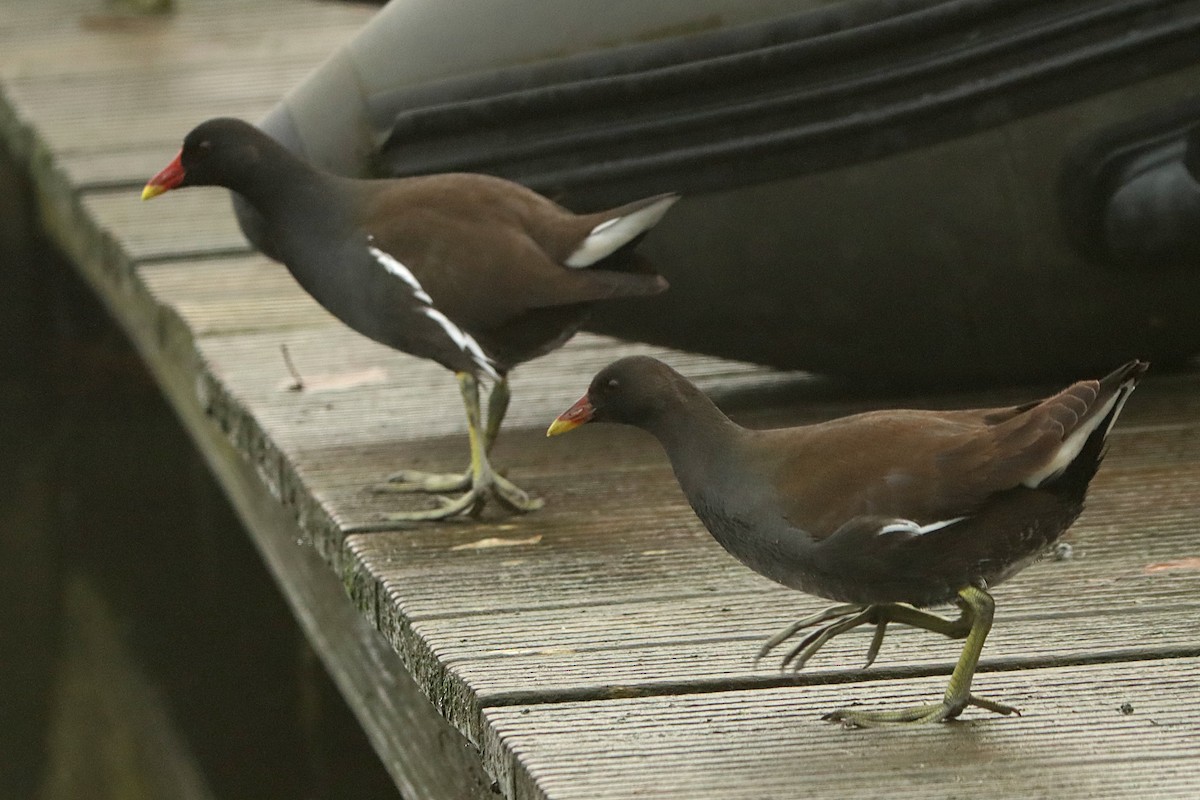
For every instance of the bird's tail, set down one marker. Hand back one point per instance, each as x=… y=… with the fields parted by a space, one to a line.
x=620 y=231
x=1114 y=389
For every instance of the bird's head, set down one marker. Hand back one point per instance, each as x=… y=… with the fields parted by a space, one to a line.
x=215 y=153
x=637 y=390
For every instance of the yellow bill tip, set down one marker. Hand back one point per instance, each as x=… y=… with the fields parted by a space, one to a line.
x=560 y=426
x=169 y=177
x=572 y=418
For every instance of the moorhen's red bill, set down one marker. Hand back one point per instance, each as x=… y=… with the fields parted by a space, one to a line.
x=476 y=273
x=884 y=512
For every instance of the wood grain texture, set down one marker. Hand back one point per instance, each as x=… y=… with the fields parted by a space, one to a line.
x=68 y=38
x=623 y=591
x=771 y=743
x=616 y=587
x=121 y=112
x=177 y=227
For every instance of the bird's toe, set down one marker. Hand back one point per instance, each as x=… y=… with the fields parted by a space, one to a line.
x=411 y=481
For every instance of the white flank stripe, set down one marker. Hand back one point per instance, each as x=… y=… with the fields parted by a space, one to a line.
x=612 y=234
x=464 y=341
x=908 y=526
x=402 y=272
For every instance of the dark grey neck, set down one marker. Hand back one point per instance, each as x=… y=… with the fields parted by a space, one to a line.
x=279 y=181
x=697 y=435
x=719 y=467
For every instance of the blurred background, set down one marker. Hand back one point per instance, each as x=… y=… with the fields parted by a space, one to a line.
x=145 y=652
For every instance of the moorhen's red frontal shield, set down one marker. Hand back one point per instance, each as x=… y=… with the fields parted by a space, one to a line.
x=573 y=417
x=170 y=177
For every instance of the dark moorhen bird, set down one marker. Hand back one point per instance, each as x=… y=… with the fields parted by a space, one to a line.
x=885 y=512
x=476 y=273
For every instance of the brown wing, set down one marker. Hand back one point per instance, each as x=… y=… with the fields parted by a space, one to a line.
x=923 y=466
x=489 y=250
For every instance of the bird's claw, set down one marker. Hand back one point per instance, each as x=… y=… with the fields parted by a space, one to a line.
x=411 y=481
x=471 y=502
x=806 y=649
x=513 y=497
x=944 y=711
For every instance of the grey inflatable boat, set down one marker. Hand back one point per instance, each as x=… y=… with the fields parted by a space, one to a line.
x=899 y=190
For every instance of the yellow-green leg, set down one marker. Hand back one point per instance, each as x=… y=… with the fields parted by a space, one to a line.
x=497 y=408
x=845 y=617
x=978 y=608
x=413 y=481
x=480 y=481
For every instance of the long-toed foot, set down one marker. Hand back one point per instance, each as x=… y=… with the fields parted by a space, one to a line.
x=839 y=619
x=471 y=502
x=978 y=609
x=413 y=481
x=944 y=711
x=479 y=483
x=843 y=619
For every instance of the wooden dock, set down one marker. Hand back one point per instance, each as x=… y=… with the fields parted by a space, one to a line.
x=603 y=647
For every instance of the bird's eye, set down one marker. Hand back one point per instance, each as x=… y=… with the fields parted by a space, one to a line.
x=205 y=144
x=612 y=384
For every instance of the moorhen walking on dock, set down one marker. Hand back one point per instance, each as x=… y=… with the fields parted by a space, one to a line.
x=884 y=512
x=474 y=272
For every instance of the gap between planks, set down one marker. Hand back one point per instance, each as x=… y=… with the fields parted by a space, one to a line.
x=770 y=743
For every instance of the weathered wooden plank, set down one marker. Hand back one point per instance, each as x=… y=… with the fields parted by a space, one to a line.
x=632 y=593
x=1072 y=742
x=232 y=295
x=154 y=130
x=665 y=647
x=196 y=223
x=120 y=170
x=580 y=631
x=78 y=37
x=148 y=127
x=66 y=99
x=410 y=395
x=90 y=116
x=566 y=537
x=364 y=393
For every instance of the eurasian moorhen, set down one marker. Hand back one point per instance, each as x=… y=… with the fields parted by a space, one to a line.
x=471 y=271
x=885 y=512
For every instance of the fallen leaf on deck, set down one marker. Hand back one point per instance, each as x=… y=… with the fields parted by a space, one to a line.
x=493 y=541
x=337 y=381
x=1168 y=566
